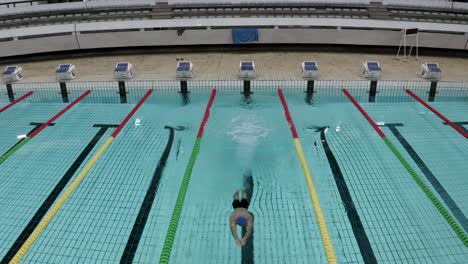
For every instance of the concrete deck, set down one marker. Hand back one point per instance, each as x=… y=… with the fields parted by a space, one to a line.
x=224 y=66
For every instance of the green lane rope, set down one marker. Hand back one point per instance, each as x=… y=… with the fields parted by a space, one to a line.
x=443 y=211
x=435 y=201
x=171 y=232
x=13 y=150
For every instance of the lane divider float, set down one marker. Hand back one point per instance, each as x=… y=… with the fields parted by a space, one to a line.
x=144 y=213
x=172 y=230
x=46 y=124
x=437 y=113
x=359 y=231
x=16 y=101
x=327 y=243
x=432 y=197
x=72 y=187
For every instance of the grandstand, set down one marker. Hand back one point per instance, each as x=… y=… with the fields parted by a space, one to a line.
x=70 y=25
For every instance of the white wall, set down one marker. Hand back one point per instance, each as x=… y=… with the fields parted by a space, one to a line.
x=290 y=31
x=154 y=38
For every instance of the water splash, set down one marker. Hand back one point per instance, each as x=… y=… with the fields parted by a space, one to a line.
x=247 y=131
x=137 y=121
x=338 y=127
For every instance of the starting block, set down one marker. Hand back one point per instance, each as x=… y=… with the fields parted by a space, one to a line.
x=184 y=70
x=431 y=71
x=123 y=71
x=12 y=74
x=372 y=70
x=310 y=70
x=247 y=70
x=65 y=72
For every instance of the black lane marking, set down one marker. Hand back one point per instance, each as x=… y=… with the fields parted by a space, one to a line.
x=460 y=125
x=27 y=231
x=36 y=126
x=248 y=249
x=140 y=222
x=178 y=148
x=353 y=216
x=452 y=205
x=185 y=99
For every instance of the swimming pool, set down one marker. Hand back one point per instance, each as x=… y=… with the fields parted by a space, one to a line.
x=122 y=209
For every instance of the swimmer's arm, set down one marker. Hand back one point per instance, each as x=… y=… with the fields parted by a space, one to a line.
x=249 y=229
x=233 y=227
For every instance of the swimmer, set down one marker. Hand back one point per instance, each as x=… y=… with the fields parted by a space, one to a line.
x=241 y=217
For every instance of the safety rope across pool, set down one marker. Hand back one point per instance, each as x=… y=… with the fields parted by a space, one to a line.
x=172 y=230
x=327 y=243
x=432 y=197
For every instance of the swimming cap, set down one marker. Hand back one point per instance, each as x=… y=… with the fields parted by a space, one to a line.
x=242 y=221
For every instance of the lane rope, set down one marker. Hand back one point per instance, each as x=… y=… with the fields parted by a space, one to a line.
x=16 y=101
x=437 y=113
x=172 y=230
x=70 y=105
x=10 y=152
x=69 y=191
x=327 y=243
x=432 y=197
x=147 y=204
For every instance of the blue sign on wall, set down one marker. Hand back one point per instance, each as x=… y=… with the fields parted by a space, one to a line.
x=244 y=35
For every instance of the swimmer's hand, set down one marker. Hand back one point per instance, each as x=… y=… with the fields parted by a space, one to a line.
x=243 y=242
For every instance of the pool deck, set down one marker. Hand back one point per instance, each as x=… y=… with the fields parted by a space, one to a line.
x=224 y=66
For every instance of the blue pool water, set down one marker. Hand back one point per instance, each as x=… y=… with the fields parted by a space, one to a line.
x=400 y=223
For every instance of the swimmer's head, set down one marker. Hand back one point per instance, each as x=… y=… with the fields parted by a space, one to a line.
x=242 y=221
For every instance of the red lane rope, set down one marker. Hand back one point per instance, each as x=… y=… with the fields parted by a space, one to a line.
x=287 y=114
x=124 y=122
x=33 y=134
x=459 y=130
x=207 y=113
x=369 y=119
x=16 y=101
